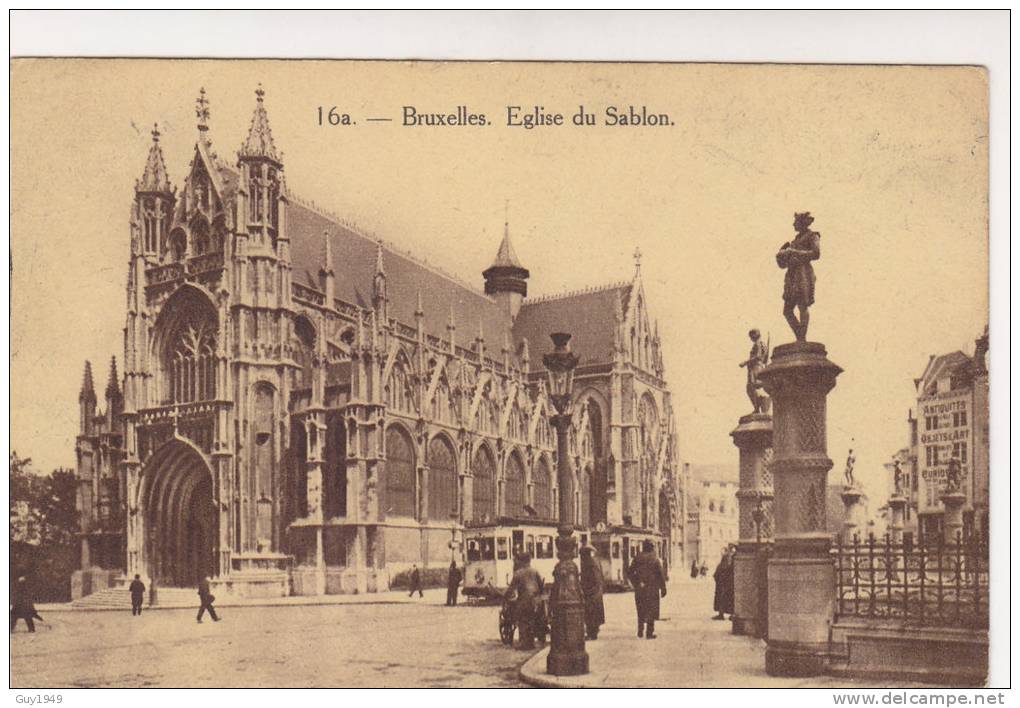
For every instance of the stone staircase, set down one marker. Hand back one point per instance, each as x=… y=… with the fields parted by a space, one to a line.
x=120 y=599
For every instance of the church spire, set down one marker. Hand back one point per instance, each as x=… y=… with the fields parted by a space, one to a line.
x=154 y=179
x=259 y=143
x=506 y=279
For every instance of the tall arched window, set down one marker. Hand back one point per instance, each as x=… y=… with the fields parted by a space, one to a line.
x=398 y=388
x=544 y=433
x=543 y=489
x=441 y=401
x=485 y=418
x=200 y=237
x=188 y=356
x=483 y=467
x=400 y=474
x=514 y=486
x=442 y=480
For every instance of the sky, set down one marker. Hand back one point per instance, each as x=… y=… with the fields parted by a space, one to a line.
x=891 y=161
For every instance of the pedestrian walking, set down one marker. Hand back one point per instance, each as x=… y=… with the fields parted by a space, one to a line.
x=694 y=569
x=207 y=599
x=723 y=576
x=591 y=588
x=137 y=589
x=452 y=584
x=22 y=606
x=415 y=580
x=526 y=588
x=645 y=574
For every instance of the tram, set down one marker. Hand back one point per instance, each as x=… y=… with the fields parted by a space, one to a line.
x=616 y=546
x=491 y=548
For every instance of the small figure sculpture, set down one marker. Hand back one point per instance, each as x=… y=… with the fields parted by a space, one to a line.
x=953 y=475
x=755 y=362
x=848 y=473
x=897 y=479
x=799 y=286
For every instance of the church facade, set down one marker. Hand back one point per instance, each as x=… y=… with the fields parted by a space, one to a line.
x=304 y=409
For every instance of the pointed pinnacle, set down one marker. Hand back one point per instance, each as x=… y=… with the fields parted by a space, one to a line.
x=86 y=384
x=379 y=258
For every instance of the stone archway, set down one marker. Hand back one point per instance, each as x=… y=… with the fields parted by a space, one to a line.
x=181 y=519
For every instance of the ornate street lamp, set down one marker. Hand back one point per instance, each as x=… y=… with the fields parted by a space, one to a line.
x=567 y=656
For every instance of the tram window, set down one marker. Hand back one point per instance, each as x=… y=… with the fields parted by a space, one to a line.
x=545 y=547
x=502 y=548
x=529 y=544
x=488 y=549
x=616 y=549
x=474 y=550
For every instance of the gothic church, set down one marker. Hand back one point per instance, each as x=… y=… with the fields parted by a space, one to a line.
x=306 y=410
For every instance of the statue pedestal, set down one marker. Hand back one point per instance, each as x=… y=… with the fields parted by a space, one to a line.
x=801 y=576
x=753 y=437
x=851 y=511
x=952 y=523
x=897 y=507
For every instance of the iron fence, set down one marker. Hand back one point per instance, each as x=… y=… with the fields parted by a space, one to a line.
x=931 y=584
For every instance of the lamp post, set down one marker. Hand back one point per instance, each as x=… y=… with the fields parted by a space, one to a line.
x=567 y=656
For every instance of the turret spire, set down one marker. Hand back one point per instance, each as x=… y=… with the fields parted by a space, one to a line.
x=259 y=143
x=154 y=178
x=87 y=387
x=506 y=278
x=113 y=383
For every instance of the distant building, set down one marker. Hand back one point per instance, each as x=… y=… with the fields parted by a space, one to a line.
x=950 y=420
x=908 y=487
x=712 y=520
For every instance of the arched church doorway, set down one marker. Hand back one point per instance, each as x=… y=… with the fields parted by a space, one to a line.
x=181 y=518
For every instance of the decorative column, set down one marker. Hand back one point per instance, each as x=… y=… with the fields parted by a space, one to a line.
x=567 y=656
x=952 y=522
x=754 y=498
x=851 y=511
x=897 y=506
x=800 y=573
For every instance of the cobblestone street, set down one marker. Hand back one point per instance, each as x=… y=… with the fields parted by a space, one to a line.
x=324 y=646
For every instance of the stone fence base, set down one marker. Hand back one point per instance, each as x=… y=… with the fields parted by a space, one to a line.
x=887 y=650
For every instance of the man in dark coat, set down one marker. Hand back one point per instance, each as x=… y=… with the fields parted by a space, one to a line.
x=415 y=582
x=591 y=589
x=645 y=574
x=137 y=589
x=207 y=599
x=526 y=586
x=452 y=584
x=22 y=606
x=694 y=569
x=723 y=575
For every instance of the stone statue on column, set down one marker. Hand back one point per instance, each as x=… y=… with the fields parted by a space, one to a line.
x=799 y=286
x=897 y=479
x=757 y=360
x=848 y=472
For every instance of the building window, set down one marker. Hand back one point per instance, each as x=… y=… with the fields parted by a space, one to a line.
x=543 y=490
x=400 y=474
x=514 y=486
x=960 y=451
x=442 y=480
x=483 y=468
x=960 y=419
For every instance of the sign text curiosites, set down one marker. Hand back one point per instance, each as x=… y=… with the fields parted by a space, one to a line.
x=513 y=116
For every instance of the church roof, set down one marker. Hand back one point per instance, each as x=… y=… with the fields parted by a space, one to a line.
x=589 y=316
x=155 y=178
x=355 y=258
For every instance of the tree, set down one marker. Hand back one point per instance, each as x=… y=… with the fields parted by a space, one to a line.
x=43 y=528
